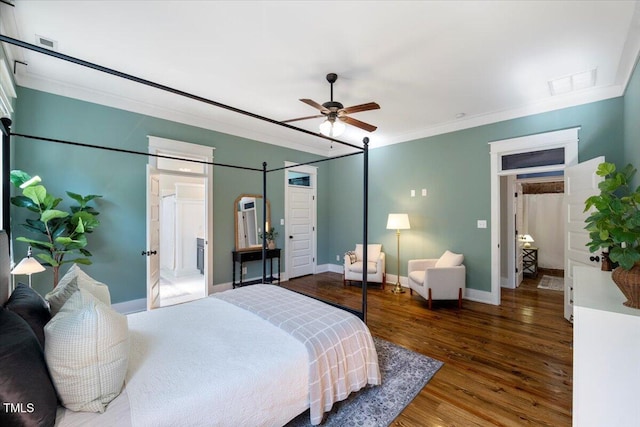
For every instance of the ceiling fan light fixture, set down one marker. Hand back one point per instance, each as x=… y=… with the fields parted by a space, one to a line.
x=331 y=128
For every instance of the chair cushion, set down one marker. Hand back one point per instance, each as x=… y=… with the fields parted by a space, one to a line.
x=356 y=267
x=373 y=252
x=417 y=276
x=450 y=259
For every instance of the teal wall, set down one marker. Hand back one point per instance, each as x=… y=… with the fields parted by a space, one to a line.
x=121 y=180
x=455 y=170
x=632 y=122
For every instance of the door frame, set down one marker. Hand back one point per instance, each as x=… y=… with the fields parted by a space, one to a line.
x=181 y=149
x=313 y=173
x=566 y=138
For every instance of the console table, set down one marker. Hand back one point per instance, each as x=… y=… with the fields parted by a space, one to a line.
x=240 y=257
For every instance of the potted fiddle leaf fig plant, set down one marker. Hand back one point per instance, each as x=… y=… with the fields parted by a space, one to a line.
x=59 y=234
x=614 y=226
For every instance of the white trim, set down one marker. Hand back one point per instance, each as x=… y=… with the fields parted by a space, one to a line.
x=7 y=90
x=158 y=145
x=567 y=138
x=478 y=296
x=132 y=306
x=333 y=268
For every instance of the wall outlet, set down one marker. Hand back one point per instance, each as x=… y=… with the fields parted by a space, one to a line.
x=244 y=271
x=482 y=223
x=281 y=221
x=337 y=257
x=413 y=193
x=424 y=192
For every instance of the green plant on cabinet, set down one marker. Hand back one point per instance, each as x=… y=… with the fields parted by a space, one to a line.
x=615 y=223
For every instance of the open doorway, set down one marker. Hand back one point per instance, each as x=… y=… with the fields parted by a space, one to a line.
x=533 y=154
x=182 y=234
x=535 y=228
x=179 y=194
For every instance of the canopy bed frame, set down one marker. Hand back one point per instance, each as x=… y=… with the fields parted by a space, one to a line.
x=364 y=150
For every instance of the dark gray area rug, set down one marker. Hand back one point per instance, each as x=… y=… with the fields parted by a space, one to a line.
x=404 y=374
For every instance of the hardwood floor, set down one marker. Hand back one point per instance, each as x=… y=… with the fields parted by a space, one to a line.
x=507 y=365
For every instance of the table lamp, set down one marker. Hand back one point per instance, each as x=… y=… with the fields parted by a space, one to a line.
x=527 y=239
x=28 y=266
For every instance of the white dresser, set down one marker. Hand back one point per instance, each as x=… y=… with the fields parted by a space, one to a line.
x=606 y=353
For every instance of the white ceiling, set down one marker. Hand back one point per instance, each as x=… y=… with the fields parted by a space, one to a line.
x=424 y=62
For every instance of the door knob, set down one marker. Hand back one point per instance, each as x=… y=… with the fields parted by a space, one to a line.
x=291 y=237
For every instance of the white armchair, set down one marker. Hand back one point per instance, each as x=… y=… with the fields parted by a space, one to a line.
x=438 y=279
x=375 y=265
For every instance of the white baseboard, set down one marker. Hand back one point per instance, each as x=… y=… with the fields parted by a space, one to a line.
x=392 y=278
x=479 y=296
x=134 y=306
x=332 y=268
x=128 y=307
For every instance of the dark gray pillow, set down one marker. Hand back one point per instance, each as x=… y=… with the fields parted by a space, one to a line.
x=29 y=305
x=26 y=391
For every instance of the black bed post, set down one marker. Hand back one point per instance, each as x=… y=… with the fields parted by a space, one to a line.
x=6 y=172
x=365 y=247
x=264 y=222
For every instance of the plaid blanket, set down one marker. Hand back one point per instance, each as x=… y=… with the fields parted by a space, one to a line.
x=342 y=355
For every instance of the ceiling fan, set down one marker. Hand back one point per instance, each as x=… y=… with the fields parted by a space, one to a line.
x=336 y=114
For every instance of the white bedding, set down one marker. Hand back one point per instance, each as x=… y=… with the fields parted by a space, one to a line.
x=253 y=356
x=342 y=355
x=207 y=363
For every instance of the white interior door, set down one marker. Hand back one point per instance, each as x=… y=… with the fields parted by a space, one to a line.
x=580 y=182
x=301 y=230
x=153 y=238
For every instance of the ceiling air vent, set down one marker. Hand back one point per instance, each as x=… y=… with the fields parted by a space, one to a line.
x=46 y=43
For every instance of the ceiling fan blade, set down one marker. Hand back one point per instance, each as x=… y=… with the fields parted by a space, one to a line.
x=303 y=118
x=315 y=105
x=362 y=107
x=358 y=123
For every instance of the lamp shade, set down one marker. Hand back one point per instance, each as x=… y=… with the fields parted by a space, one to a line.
x=398 y=221
x=332 y=128
x=28 y=266
x=527 y=240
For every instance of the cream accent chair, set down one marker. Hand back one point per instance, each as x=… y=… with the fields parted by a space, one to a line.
x=439 y=279
x=375 y=265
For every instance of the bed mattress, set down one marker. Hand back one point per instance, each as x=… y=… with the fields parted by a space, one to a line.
x=206 y=363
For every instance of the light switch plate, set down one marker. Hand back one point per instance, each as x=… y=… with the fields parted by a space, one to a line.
x=413 y=193
x=282 y=221
x=482 y=223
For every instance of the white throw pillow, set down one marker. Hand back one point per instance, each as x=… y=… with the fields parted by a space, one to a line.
x=60 y=294
x=373 y=252
x=87 y=352
x=450 y=259
x=73 y=280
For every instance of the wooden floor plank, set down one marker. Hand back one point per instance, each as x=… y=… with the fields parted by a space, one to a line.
x=507 y=365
